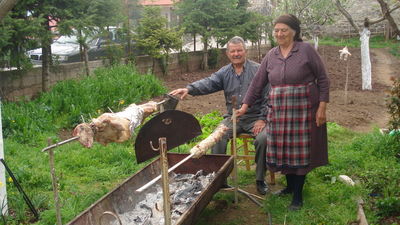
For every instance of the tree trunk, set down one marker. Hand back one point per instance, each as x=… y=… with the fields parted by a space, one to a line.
x=194 y=42
x=46 y=57
x=128 y=53
x=259 y=49
x=205 y=55
x=86 y=58
x=347 y=15
x=386 y=13
x=5 y=6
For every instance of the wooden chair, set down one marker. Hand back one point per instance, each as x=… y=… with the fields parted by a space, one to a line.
x=245 y=156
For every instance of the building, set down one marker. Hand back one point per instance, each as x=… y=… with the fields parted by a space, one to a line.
x=167 y=9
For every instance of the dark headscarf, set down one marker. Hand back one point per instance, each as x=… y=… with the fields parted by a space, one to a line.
x=292 y=22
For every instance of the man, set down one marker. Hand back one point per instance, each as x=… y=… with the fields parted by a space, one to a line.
x=234 y=79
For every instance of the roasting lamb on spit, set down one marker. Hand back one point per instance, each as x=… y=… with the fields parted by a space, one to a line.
x=114 y=127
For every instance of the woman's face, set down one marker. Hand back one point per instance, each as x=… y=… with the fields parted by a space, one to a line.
x=283 y=34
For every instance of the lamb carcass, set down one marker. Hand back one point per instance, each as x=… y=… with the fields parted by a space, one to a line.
x=114 y=127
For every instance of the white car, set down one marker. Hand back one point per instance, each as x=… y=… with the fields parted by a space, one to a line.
x=66 y=49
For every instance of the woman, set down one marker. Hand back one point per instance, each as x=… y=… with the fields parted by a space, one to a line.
x=296 y=130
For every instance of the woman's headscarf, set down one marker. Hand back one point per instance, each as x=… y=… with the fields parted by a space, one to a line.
x=292 y=22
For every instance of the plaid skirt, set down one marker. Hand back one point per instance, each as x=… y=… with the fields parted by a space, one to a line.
x=288 y=129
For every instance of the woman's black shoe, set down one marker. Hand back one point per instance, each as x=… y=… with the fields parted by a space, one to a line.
x=282 y=192
x=295 y=206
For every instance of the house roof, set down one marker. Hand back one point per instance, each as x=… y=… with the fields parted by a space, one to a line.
x=157 y=2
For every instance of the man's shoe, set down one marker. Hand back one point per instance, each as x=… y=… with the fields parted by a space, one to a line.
x=295 y=206
x=262 y=187
x=282 y=192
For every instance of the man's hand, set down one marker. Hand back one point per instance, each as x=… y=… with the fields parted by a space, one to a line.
x=258 y=127
x=181 y=91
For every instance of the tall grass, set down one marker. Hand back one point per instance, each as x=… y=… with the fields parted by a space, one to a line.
x=69 y=101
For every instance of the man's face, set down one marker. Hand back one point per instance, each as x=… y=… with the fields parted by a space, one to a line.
x=236 y=53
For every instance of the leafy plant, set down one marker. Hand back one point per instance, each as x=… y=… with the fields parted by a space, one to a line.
x=213 y=55
x=393 y=104
x=70 y=101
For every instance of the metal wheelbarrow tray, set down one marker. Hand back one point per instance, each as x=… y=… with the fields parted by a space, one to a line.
x=124 y=198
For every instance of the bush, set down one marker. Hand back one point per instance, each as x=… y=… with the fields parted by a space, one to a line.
x=393 y=104
x=213 y=55
x=70 y=101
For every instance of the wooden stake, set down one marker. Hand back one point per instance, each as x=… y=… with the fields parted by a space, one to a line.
x=235 y=170
x=54 y=184
x=164 y=179
x=347 y=82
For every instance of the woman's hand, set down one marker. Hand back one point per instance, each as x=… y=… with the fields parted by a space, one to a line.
x=242 y=110
x=321 y=114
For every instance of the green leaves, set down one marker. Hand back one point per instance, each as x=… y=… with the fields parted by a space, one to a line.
x=153 y=35
x=64 y=105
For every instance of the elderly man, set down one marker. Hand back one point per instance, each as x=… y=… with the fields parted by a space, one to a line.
x=234 y=79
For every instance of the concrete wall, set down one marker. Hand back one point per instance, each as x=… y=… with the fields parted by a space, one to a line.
x=15 y=84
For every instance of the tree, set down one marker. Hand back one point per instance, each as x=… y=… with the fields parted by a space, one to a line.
x=253 y=30
x=5 y=6
x=155 y=39
x=364 y=36
x=312 y=13
x=208 y=18
x=88 y=19
x=17 y=35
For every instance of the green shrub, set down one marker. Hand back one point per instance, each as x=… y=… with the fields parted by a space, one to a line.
x=393 y=104
x=213 y=55
x=70 y=101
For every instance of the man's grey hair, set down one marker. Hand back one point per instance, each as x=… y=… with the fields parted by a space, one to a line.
x=236 y=40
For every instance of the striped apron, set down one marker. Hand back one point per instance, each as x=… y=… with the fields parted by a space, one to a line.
x=288 y=130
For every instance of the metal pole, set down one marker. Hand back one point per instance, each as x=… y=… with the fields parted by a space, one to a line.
x=54 y=183
x=3 y=189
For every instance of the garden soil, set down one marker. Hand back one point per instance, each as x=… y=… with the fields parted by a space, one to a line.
x=364 y=111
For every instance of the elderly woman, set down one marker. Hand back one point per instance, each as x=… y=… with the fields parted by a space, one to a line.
x=296 y=128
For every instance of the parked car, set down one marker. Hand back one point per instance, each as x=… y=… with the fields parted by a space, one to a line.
x=66 y=48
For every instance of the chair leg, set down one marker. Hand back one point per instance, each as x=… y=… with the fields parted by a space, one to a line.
x=246 y=152
x=272 y=177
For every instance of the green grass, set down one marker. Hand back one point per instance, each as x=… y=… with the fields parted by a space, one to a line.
x=375 y=42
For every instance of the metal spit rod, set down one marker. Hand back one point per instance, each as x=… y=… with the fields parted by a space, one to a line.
x=144 y=187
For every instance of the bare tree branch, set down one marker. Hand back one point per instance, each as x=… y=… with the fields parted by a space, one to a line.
x=305 y=6
x=5 y=6
x=347 y=15
x=386 y=14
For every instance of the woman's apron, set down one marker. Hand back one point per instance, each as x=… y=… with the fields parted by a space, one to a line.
x=288 y=129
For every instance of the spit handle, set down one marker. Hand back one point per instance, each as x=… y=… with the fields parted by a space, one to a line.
x=112 y=214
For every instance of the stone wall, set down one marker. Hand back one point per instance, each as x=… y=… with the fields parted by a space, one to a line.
x=16 y=84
